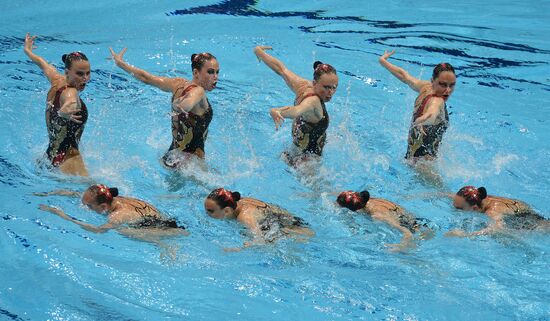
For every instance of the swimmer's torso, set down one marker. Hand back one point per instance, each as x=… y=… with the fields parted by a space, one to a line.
x=310 y=137
x=190 y=129
x=268 y=220
x=425 y=142
x=137 y=213
x=379 y=208
x=64 y=135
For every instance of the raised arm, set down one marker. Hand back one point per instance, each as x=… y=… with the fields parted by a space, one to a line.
x=400 y=73
x=88 y=227
x=163 y=83
x=293 y=81
x=51 y=73
x=306 y=106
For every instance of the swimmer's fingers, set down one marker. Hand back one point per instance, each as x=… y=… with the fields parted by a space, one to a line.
x=266 y=47
x=277 y=117
x=71 y=116
x=387 y=54
x=76 y=119
x=117 y=57
x=51 y=209
x=232 y=249
x=41 y=194
x=455 y=233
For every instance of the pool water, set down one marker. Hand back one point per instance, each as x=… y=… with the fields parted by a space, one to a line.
x=53 y=270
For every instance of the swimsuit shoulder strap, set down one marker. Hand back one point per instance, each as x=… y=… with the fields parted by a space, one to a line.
x=422 y=106
x=57 y=97
x=307 y=96
x=184 y=92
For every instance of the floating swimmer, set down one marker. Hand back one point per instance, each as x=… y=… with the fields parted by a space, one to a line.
x=310 y=115
x=430 y=117
x=191 y=109
x=124 y=214
x=387 y=212
x=505 y=213
x=266 y=222
x=66 y=113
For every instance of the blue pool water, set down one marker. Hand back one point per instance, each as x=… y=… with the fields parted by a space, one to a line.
x=53 y=270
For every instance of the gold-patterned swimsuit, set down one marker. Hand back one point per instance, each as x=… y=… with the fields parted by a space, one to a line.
x=64 y=135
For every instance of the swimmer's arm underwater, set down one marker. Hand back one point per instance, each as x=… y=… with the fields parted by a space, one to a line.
x=59 y=192
x=293 y=81
x=89 y=227
x=496 y=226
x=189 y=101
x=163 y=83
x=400 y=73
x=49 y=70
x=407 y=236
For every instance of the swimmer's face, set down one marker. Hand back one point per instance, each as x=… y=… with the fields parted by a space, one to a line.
x=460 y=203
x=444 y=85
x=215 y=211
x=208 y=74
x=326 y=86
x=79 y=74
x=89 y=201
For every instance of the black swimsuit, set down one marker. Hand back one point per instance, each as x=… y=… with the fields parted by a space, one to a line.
x=64 y=135
x=189 y=131
x=151 y=221
x=420 y=144
x=525 y=220
x=309 y=137
x=275 y=220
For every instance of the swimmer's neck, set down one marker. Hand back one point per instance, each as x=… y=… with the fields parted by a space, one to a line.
x=116 y=205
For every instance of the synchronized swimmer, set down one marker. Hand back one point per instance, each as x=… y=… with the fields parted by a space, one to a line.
x=66 y=113
x=66 y=116
x=310 y=115
x=191 y=110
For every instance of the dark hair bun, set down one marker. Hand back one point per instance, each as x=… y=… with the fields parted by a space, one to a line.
x=113 y=191
x=64 y=57
x=365 y=195
x=236 y=196
x=482 y=193
x=317 y=63
x=193 y=57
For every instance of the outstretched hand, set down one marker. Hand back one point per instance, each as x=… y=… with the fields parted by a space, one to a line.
x=456 y=233
x=387 y=54
x=118 y=57
x=277 y=117
x=53 y=210
x=29 y=43
x=260 y=49
x=71 y=115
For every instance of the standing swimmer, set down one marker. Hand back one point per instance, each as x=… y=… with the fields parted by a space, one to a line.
x=191 y=109
x=310 y=115
x=430 y=117
x=66 y=113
